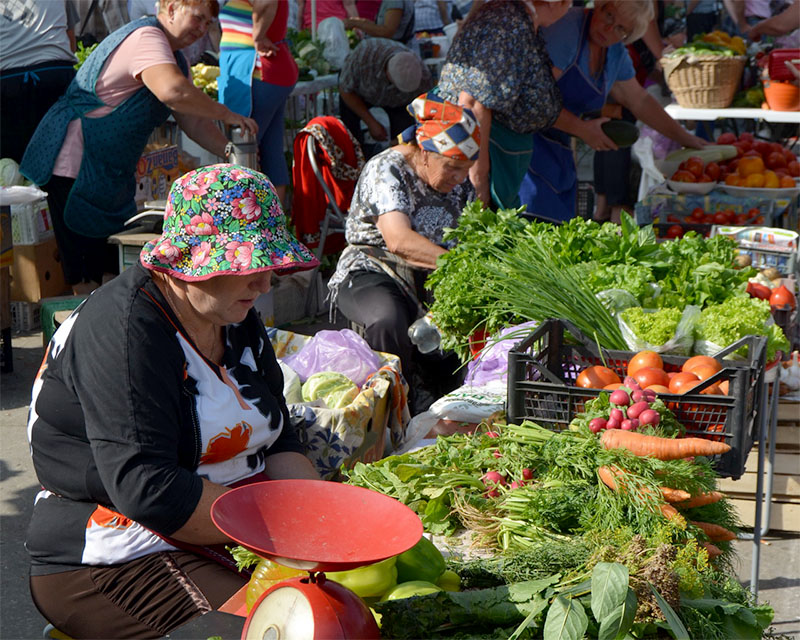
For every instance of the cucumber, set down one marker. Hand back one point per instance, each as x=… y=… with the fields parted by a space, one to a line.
x=711 y=153
x=622 y=133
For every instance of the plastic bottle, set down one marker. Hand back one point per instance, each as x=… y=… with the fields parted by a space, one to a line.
x=424 y=334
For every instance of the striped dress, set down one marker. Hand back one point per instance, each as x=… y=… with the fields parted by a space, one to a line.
x=236 y=20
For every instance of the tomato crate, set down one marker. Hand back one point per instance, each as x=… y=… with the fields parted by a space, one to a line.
x=543 y=368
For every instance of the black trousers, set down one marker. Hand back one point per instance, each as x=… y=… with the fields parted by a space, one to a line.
x=83 y=259
x=26 y=93
x=399 y=120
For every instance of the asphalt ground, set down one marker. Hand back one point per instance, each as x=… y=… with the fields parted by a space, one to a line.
x=779 y=575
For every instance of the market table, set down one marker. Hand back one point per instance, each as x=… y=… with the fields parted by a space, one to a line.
x=683 y=113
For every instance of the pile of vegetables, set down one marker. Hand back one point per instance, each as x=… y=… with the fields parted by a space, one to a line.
x=204 y=77
x=565 y=516
x=308 y=54
x=503 y=270
x=715 y=43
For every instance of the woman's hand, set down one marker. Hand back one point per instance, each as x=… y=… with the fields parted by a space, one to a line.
x=591 y=132
x=692 y=141
x=265 y=47
x=246 y=124
x=479 y=177
x=376 y=130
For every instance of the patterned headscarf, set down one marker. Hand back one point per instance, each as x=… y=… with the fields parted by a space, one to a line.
x=224 y=219
x=443 y=127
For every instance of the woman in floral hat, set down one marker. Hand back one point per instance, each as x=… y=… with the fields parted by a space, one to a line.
x=404 y=199
x=159 y=393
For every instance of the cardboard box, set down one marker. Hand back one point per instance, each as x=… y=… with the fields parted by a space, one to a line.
x=155 y=173
x=37 y=272
x=31 y=222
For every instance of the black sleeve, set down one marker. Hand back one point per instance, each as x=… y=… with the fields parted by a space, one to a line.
x=127 y=370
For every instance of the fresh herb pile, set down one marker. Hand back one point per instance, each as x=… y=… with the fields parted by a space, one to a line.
x=504 y=270
x=570 y=556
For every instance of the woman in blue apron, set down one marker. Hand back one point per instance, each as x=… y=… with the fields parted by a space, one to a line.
x=600 y=67
x=91 y=192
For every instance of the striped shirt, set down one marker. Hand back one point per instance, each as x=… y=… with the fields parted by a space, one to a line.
x=236 y=20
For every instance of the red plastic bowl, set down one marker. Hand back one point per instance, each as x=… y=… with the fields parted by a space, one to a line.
x=315 y=525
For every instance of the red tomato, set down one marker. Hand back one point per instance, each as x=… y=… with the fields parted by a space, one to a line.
x=790 y=157
x=681 y=380
x=683 y=175
x=776 y=146
x=759 y=220
x=739 y=150
x=596 y=377
x=744 y=145
x=649 y=376
x=752 y=153
x=733 y=165
x=644 y=359
x=708 y=218
x=720 y=217
x=763 y=148
x=739 y=218
x=726 y=138
x=746 y=137
x=704 y=178
x=775 y=160
x=695 y=165
x=794 y=168
x=713 y=171
x=675 y=231
x=671 y=218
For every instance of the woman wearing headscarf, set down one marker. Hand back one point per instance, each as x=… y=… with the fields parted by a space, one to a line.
x=498 y=67
x=85 y=151
x=156 y=396
x=591 y=63
x=404 y=199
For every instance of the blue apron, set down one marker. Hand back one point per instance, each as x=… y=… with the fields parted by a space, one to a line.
x=549 y=187
x=102 y=198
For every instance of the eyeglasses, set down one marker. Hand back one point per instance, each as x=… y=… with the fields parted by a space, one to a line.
x=610 y=18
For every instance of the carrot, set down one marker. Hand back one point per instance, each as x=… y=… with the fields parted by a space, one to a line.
x=701 y=499
x=712 y=550
x=674 y=495
x=661 y=448
x=608 y=476
x=715 y=532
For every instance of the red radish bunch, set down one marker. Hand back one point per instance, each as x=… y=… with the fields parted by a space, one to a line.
x=630 y=409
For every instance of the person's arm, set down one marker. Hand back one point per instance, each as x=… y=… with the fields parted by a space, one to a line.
x=443 y=11
x=301 y=5
x=479 y=171
x=402 y=240
x=350 y=8
x=652 y=40
x=263 y=14
x=290 y=465
x=778 y=25
x=204 y=132
x=646 y=108
x=359 y=107
x=590 y=131
x=177 y=92
x=391 y=20
x=735 y=9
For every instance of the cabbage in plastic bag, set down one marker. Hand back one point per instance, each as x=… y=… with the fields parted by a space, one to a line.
x=334 y=389
x=680 y=343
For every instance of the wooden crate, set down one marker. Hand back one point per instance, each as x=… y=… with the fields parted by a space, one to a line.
x=785 y=512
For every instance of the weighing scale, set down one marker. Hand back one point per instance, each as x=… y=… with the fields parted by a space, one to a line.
x=315 y=526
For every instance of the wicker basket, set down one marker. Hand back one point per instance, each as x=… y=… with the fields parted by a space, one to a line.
x=703 y=82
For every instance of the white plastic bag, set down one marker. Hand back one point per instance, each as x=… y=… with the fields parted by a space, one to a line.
x=680 y=344
x=331 y=33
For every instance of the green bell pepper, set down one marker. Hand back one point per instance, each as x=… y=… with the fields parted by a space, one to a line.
x=410 y=589
x=369 y=581
x=423 y=561
x=449 y=581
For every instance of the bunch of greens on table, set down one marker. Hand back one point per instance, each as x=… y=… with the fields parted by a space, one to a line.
x=571 y=558
x=655 y=327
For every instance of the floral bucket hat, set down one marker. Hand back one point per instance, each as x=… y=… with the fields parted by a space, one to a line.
x=224 y=219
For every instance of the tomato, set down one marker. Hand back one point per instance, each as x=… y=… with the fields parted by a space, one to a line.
x=708 y=218
x=704 y=178
x=732 y=179
x=695 y=361
x=705 y=371
x=776 y=160
x=739 y=218
x=675 y=231
x=648 y=376
x=683 y=175
x=787 y=153
x=613 y=386
x=794 y=168
x=596 y=377
x=658 y=388
x=782 y=297
x=724 y=387
x=752 y=213
x=763 y=148
x=671 y=218
x=787 y=182
x=755 y=180
x=776 y=146
x=753 y=154
x=739 y=150
x=695 y=165
x=726 y=138
x=744 y=145
x=746 y=137
x=644 y=359
x=680 y=380
x=713 y=171
x=759 y=220
x=697 y=212
x=720 y=217
x=733 y=165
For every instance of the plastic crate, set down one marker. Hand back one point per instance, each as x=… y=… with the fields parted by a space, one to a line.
x=542 y=370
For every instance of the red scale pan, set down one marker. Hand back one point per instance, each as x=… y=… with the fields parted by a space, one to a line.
x=315 y=526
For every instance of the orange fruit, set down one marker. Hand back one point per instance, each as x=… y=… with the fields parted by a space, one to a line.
x=771 y=180
x=749 y=165
x=681 y=380
x=755 y=180
x=732 y=180
x=644 y=359
x=694 y=361
x=786 y=182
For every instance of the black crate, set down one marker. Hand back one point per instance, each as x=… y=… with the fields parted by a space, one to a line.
x=542 y=370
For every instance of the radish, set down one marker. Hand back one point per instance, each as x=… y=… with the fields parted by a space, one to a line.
x=620 y=398
x=597 y=425
x=516 y=484
x=492 y=434
x=495 y=477
x=616 y=414
x=492 y=493
x=627 y=425
x=635 y=409
x=649 y=395
x=638 y=395
x=497 y=454
x=631 y=383
x=527 y=474
x=649 y=416
x=613 y=423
